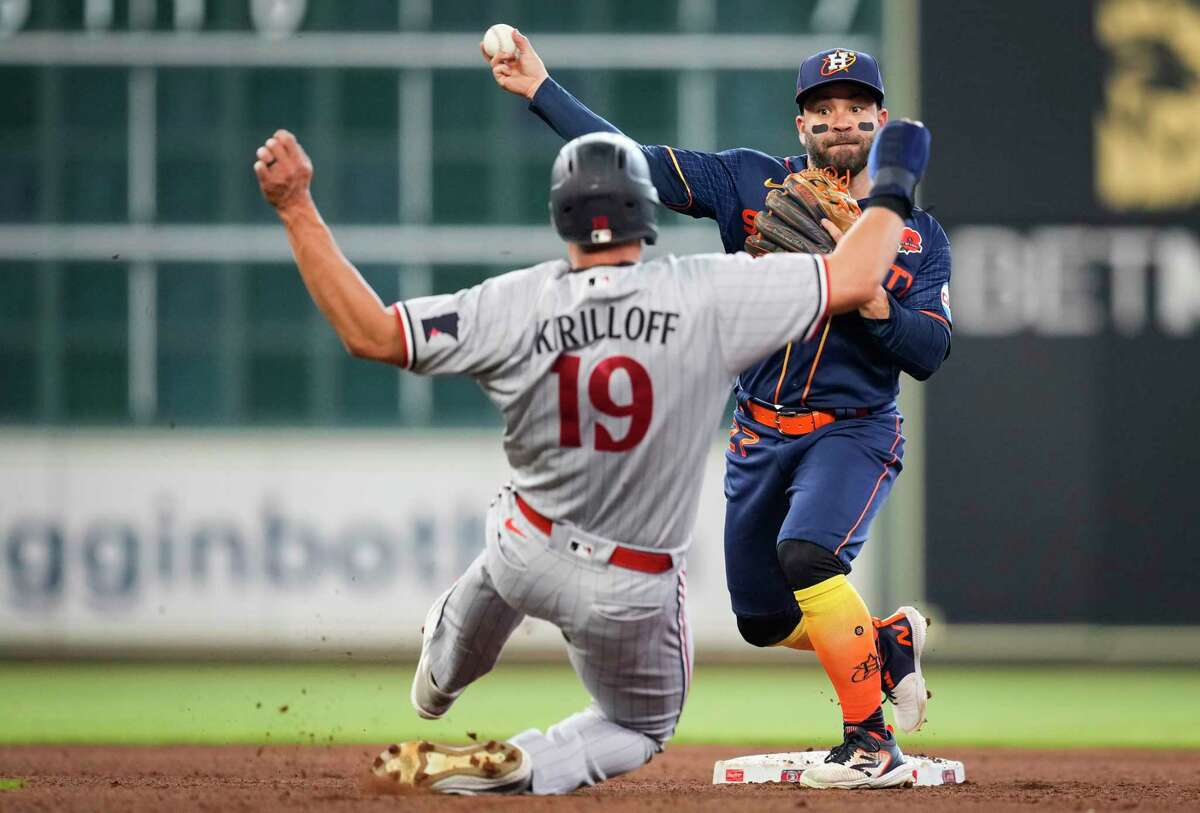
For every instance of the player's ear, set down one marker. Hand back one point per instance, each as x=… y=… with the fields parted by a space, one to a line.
x=800 y=127
x=883 y=117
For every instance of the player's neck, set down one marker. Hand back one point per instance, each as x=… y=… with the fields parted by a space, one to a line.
x=860 y=185
x=617 y=255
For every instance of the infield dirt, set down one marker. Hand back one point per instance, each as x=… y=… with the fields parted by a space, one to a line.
x=182 y=778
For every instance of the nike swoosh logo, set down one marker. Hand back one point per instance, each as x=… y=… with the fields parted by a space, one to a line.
x=770 y=184
x=512 y=526
x=864 y=766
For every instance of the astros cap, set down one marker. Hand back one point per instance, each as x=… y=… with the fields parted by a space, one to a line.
x=839 y=65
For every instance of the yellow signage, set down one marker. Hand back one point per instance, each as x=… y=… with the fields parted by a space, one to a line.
x=1148 y=134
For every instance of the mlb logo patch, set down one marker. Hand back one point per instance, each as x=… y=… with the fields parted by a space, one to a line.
x=735 y=775
x=601 y=233
x=581 y=549
x=790 y=775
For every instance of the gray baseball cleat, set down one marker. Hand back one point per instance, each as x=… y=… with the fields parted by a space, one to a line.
x=427 y=699
x=863 y=761
x=467 y=770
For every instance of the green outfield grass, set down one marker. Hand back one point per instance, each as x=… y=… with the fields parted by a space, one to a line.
x=136 y=703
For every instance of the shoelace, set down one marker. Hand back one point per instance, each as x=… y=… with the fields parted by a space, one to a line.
x=842 y=753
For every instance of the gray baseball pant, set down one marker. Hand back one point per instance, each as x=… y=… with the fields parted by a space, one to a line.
x=627 y=638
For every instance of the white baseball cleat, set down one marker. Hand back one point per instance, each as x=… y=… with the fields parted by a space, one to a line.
x=901 y=640
x=862 y=762
x=428 y=700
x=467 y=770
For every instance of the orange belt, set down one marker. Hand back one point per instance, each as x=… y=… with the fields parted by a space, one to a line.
x=789 y=421
x=628 y=558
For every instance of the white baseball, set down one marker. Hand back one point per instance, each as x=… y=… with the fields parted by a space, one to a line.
x=499 y=39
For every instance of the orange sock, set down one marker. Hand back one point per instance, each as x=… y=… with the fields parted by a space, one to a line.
x=836 y=624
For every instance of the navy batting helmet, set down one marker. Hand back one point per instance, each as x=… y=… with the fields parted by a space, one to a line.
x=601 y=193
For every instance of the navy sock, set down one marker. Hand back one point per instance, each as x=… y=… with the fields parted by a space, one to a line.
x=874 y=723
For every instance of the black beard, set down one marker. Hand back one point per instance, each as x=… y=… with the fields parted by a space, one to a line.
x=845 y=161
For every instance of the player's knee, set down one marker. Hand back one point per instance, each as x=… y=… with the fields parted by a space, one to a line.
x=768 y=630
x=806 y=563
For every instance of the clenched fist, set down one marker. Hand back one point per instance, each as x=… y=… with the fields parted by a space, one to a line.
x=284 y=170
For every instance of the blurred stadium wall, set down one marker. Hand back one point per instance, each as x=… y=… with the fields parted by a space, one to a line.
x=189 y=461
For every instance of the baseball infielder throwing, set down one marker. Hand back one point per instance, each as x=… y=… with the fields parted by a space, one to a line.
x=816 y=441
x=603 y=367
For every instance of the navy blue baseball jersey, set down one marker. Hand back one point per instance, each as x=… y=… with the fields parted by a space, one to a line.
x=854 y=362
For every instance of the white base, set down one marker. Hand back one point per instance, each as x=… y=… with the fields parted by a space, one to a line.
x=788 y=767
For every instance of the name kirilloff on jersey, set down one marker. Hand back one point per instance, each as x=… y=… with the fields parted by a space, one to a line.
x=573 y=331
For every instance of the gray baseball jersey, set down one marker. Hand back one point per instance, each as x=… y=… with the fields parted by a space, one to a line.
x=611 y=379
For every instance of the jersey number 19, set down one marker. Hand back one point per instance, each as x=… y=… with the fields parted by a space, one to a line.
x=639 y=410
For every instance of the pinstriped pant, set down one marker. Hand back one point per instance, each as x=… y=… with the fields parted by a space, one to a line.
x=627 y=638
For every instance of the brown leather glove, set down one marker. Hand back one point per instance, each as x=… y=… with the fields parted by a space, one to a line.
x=792 y=219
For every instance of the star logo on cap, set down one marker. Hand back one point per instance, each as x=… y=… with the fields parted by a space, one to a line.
x=837 y=62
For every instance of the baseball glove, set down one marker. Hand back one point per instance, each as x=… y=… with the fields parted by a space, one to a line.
x=792 y=218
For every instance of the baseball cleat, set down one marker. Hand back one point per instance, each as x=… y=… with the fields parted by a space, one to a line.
x=467 y=770
x=428 y=700
x=901 y=639
x=863 y=761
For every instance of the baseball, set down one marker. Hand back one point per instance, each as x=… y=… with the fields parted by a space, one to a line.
x=499 y=39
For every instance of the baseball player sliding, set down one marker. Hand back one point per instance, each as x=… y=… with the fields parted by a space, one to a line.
x=816 y=439
x=603 y=367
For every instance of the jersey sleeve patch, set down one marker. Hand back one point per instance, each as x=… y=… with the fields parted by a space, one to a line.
x=442 y=325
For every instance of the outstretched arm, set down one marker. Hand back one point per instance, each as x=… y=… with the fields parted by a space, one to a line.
x=524 y=74
x=365 y=326
x=687 y=181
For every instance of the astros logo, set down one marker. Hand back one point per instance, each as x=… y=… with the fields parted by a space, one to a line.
x=837 y=61
x=910 y=241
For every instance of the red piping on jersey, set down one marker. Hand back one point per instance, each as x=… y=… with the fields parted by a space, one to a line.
x=874 y=491
x=933 y=315
x=403 y=336
x=683 y=632
x=678 y=171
